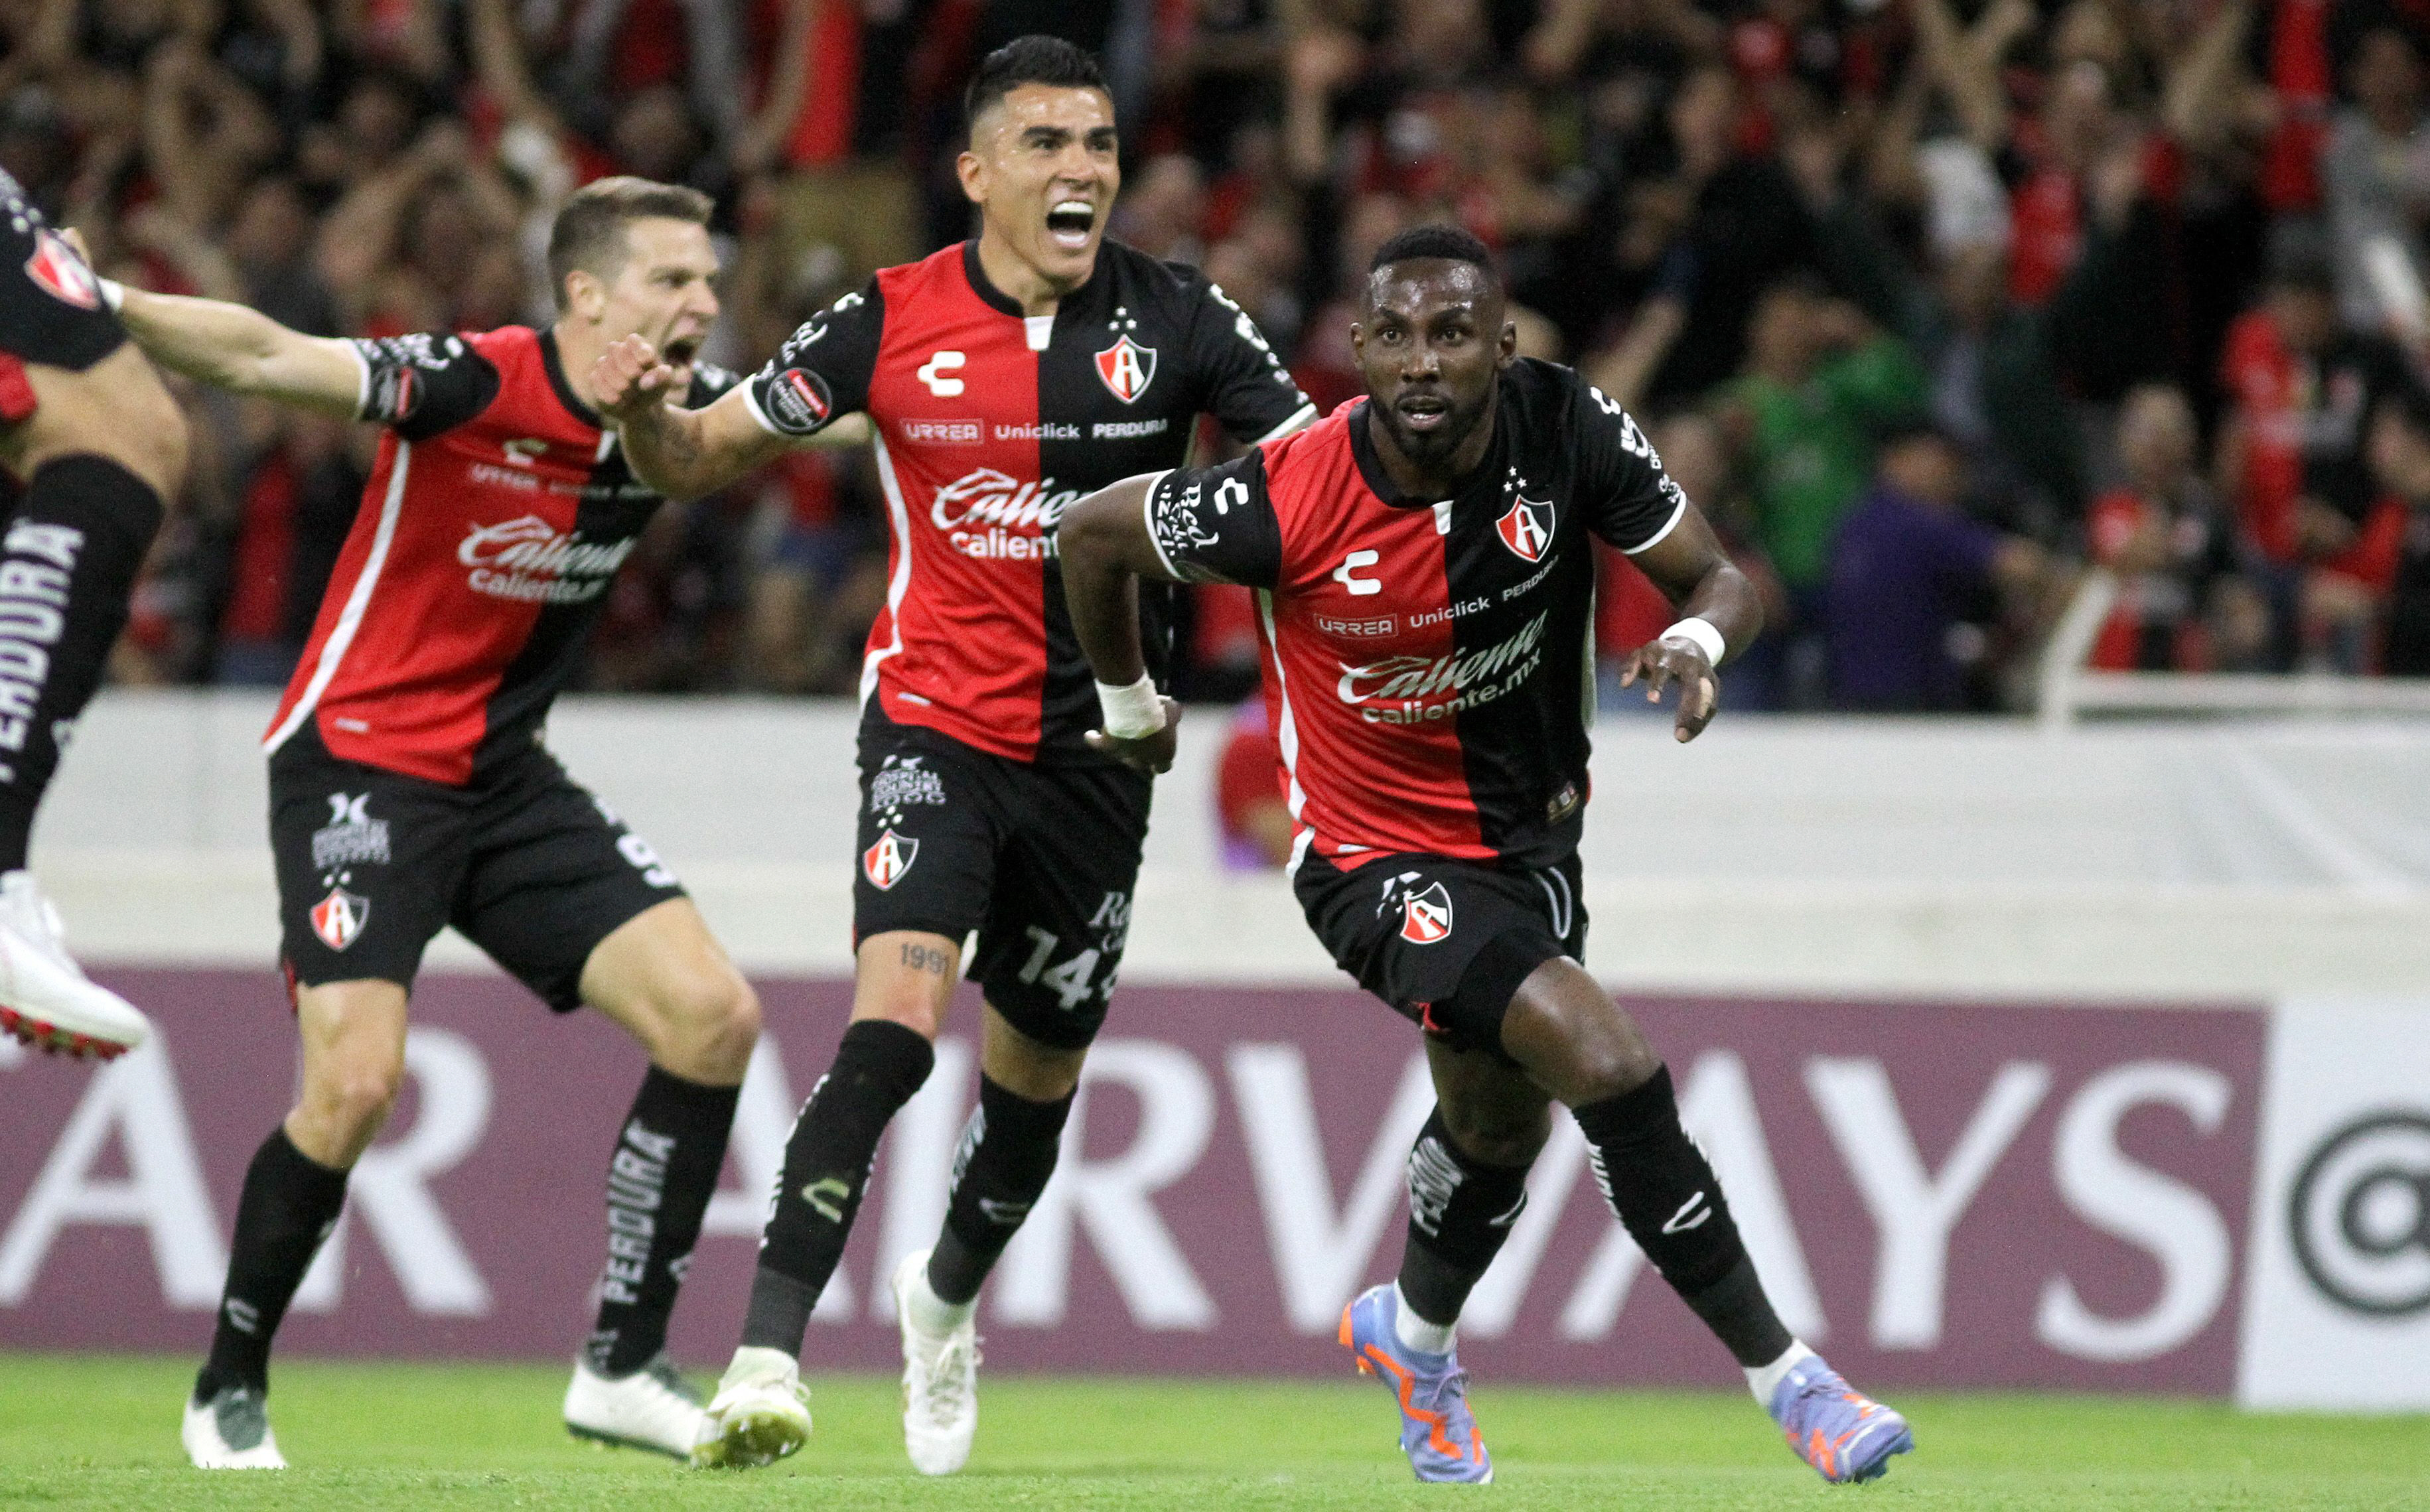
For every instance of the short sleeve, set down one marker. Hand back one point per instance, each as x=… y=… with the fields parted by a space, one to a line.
x=418 y=386
x=822 y=369
x=1241 y=382
x=1216 y=525
x=709 y=383
x=1627 y=499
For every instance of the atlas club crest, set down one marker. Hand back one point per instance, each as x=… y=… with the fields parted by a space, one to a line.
x=1527 y=529
x=64 y=275
x=1425 y=917
x=885 y=862
x=1128 y=368
x=338 y=919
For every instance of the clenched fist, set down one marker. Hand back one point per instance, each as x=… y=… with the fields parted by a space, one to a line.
x=630 y=378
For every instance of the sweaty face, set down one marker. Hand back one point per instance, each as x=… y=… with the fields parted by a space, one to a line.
x=665 y=292
x=1042 y=169
x=1430 y=344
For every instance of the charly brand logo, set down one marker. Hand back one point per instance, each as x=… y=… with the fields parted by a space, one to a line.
x=1468 y=680
x=2360 y=1216
x=1128 y=368
x=885 y=862
x=62 y=273
x=351 y=838
x=936 y=373
x=1526 y=528
x=530 y=560
x=338 y=919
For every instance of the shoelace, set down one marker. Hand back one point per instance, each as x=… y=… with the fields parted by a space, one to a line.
x=949 y=1379
x=671 y=1380
x=1446 y=1390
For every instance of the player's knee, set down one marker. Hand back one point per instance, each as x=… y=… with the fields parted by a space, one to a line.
x=352 y=1101
x=1498 y=1136
x=709 y=1023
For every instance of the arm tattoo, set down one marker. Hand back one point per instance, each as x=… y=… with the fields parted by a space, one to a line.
x=927 y=959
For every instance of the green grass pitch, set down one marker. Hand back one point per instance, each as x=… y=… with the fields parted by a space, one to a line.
x=90 y=1431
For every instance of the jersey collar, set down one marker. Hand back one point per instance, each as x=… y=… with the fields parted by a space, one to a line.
x=1371 y=467
x=997 y=299
x=557 y=381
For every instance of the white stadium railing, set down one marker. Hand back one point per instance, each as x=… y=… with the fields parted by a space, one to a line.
x=2066 y=689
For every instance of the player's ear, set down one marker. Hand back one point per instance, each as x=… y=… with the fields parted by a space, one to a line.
x=972 y=170
x=1508 y=348
x=585 y=295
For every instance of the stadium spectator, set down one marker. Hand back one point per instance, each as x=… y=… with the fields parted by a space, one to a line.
x=2400 y=454
x=1821 y=381
x=1250 y=809
x=2047 y=206
x=2185 y=604
x=1909 y=580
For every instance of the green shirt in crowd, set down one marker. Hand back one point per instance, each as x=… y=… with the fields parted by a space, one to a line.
x=1813 y=447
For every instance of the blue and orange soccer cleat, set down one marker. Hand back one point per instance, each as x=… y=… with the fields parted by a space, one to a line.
x=1843 y=1435
x=1438 y=1432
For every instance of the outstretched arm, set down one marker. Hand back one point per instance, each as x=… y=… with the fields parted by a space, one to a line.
x=681 y=452
x=1104 y=549
x=1689 y=565
x=230 y=347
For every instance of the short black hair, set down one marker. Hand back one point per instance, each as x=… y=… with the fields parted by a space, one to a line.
x=1031 y=59
x=589 y=228
x=1443 y=242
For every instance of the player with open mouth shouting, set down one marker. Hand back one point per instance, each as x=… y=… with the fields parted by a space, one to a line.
x=1424 y=579
x=1004 y=377
x=410 y=789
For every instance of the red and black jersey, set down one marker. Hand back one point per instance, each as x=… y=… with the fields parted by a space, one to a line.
x=1427 y=664
x=493 y=520
x=989 y=425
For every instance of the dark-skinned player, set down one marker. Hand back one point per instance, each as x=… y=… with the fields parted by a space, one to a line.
x=1424 y=573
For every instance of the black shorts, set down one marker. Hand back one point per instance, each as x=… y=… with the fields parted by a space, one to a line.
x=1040 y=860
x=1445 y=942
x=522 y=860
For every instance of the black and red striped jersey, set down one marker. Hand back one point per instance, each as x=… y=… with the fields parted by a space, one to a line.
x=1427 y=665
x=989 y=425
x=495 y=516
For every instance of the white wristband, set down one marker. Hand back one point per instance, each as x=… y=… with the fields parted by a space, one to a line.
x=1701 y=633
x=114 y=293
x=1131 y=713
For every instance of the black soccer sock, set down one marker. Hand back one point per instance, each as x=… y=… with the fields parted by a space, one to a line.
x=290 y=1201
x=659 y=1182
x=1669 y=1200
x=1460 y=1210
x=68 y=560
x=1006 y=1154
x=878 y=1068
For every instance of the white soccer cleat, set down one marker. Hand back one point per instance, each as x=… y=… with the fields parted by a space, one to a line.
x=653 y=1408
x=761 y=1414
x=45 y=999
x=231 y=1430
x=940 y=1383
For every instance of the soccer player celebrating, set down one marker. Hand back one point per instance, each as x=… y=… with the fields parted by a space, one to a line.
x=1006 y=377
x=97 y=445
x=409 y=789
x=1424 y=574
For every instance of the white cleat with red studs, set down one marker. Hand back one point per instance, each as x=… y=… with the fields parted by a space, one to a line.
x=45 y=999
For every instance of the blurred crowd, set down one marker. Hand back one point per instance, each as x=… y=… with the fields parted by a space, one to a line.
x=1931 y=304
